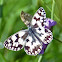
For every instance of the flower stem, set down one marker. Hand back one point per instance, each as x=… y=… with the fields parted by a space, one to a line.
x=52 y=16
x=52 y=12
x=57 y=39
x=39 y=60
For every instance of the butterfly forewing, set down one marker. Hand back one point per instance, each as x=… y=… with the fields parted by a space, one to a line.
x=38 y=24
x=38 y=17
x=16 y=41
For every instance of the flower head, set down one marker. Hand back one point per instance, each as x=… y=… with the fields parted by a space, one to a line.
x=43 y=48
x=49 y=23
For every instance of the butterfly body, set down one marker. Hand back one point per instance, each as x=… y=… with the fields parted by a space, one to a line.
x=31 y=39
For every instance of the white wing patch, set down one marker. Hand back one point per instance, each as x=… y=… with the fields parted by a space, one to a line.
x=32 y=47
x=16 y=41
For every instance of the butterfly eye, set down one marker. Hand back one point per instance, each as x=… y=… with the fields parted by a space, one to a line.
x=27 y=40
x=39 y=29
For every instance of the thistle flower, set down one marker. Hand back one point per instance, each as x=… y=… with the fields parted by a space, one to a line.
x=49 y=23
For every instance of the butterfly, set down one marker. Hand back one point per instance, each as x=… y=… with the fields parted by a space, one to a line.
x=31 y=39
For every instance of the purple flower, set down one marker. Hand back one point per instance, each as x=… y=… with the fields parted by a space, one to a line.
x=49 y=23
x=43 y=48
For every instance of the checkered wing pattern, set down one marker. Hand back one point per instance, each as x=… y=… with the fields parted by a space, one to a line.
x=16 y=41
x=38 y=25
x=44 y=34
x=32 y=46
x=33 y=38
x=38 y=17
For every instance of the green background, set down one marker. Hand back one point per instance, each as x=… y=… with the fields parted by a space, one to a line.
x=11 y=23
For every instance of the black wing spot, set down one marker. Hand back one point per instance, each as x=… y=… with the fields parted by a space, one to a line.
x=46 y=30
x=16 y=40
x=35 y=49
x=47 y=38
x=42 y=8
x=43 y=11
x=42 y=24
x=27 y=40
x=20 y=46
x=15 y=48
x=37 y=19
x=10 y=39
x=39 y=29
x=6 y=42
x=27 y=47
x=24 y=36
x=39 y=34
x=11 y=42
x=11 y=46
x=17 y=37
x=35 y=26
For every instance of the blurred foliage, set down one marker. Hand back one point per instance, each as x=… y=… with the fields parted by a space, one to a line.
x=10 y=23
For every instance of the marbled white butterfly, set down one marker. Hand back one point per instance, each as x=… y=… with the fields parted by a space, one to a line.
x=31 y=39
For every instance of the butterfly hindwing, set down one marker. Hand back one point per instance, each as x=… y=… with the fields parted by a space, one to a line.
x=44 y=34
x=16 y=42
x=26 y=18
x=32 y=46
x=23 y=39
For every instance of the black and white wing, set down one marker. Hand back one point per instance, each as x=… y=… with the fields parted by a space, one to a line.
x=24 y=39
x=39 y=17
x=40 y=35
x=37 y=23
x=44 y=34
x=16 y=42
x=35 y=40
x=31 y=41
x=32 y=46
